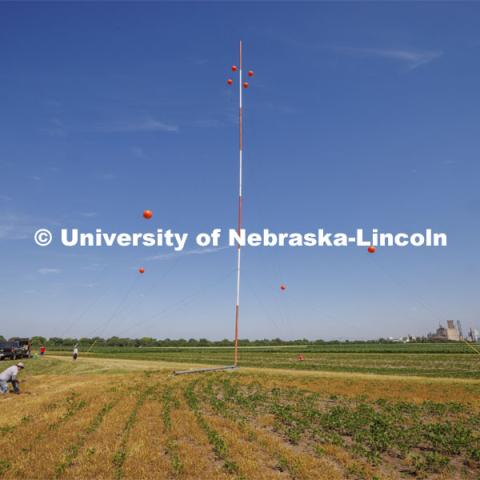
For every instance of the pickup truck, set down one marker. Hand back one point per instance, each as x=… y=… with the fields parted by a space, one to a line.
x=8 y=351
x=15 y=348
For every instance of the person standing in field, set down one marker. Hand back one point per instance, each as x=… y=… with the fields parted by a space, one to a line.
x=42 y=350
x=10 y=376
x=75 y=352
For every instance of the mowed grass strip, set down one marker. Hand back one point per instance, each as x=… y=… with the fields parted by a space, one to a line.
x=27 y=412
x=39 y=407
x=36 y=417
x=46 y=405
x=38 y=458
x=59 y=412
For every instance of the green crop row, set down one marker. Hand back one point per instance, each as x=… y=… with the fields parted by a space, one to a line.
x=425 y=437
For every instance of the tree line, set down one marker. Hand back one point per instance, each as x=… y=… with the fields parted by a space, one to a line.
x=167 y=342
x=192 y=342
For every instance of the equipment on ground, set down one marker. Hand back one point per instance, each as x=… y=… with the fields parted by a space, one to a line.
x=203 y=370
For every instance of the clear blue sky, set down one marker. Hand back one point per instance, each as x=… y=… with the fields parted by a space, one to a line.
x=359 y=115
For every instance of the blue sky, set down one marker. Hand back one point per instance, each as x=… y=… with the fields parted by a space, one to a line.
x=359 y=115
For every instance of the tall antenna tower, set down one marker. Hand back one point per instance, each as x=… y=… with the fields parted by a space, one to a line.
x=241 y=86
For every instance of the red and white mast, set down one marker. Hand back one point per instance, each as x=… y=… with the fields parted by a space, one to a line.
x=240 y=202
x=241 y=85
x=240 y=211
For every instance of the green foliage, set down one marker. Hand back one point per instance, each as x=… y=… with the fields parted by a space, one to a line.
x=26 y=419
x=7 y=428
x=303 y=345
x=73 y=405
x=120 y=455
x=286 y=466
x=172 y=450
x=426 y=436
x=429 y=462
x=430 y=359
x=168 y=402
x=216 y=441
x=4 y=466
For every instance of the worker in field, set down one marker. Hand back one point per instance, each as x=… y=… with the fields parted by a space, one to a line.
x=10 y=376
x=42 y=350
x=75 y=352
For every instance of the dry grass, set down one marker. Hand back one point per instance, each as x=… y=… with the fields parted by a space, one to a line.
x=114 y=419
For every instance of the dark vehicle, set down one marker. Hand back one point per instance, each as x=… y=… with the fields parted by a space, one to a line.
x=24 y=347
x=8 y=350
x=16 y=348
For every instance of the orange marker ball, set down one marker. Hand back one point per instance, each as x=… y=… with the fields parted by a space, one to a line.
x=229 y=81
x=245 y=85
x=371 y=249
x=234 y=68
x=147 y=214
x=250 y=73
x=141 y=270
x=283 y=287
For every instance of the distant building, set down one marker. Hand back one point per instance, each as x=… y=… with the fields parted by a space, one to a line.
x=451 y=332
x=473 y=335
x=406 y=339
x=460 y=331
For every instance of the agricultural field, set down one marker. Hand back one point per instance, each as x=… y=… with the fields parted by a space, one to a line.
x=429 y=359
x=114 y=418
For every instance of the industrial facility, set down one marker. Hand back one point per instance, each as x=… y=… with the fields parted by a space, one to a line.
x=453 y=332
x=450 y=332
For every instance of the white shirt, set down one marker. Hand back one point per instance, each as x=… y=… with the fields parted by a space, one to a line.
x=75 y=350
x=9 y=374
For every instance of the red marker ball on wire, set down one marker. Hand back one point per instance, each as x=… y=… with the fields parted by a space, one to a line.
x=148 y=214
x=283 y=287
x=234 y=68
x=229 y=81
x=371 y=249
x=250 y=73
x=141 y=270
x=245 y=84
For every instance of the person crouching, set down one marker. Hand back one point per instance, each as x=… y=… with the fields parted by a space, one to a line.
x=10 y=376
